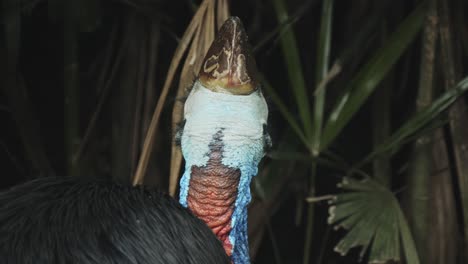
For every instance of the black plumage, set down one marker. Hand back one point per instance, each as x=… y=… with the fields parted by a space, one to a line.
x=69 y=220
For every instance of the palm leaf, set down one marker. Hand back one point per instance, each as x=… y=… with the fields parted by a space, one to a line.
x=294 y=68
x=201 y=39
x=371 y=214
x=423 y=121
x=283 y=109
x=372 y=73
x=322 y=71
x=194 y=42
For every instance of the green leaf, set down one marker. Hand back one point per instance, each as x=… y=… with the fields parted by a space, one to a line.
x=362 y=86
x=283 y=110
x=422 y=121
x=294 y=68
x=323 y=61
x=374 y=220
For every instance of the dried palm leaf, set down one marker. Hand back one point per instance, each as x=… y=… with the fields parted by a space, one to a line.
x=196 y=39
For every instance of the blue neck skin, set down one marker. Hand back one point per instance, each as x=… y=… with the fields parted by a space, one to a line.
x=242 y=119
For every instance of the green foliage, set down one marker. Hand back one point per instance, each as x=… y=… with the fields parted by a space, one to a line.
x=370 y=213
x=374 y=220
x=294 y=69
x=284 y=110
x=367 y=79
x=360 y=87
x=422 y=122
x=323 y=61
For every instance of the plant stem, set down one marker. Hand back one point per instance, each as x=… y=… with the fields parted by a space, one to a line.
x=459 y=111
x=323 y=60
x=310 y=216
x=419 y=177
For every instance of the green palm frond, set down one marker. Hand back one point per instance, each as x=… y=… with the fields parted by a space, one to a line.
x=374 y=220
x=371 y=74
x=421 y=122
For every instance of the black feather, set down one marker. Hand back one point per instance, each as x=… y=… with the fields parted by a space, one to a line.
x=69 y=220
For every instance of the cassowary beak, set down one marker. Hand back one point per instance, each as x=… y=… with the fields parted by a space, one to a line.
x=229 y=66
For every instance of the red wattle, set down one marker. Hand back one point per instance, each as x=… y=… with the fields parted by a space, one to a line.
x=213 y=191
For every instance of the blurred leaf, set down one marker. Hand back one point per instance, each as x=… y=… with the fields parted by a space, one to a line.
x=458 y=114
x=323 y=61
x=196 y=39
x=373 y=218
x=271 y=36
x=420 y=122
x=368 y=32
x=294 y=69
x=322 y=68
x=283 y=110
x=197 y=49
x=202 y=39
x=371 y=74
x=177 y=57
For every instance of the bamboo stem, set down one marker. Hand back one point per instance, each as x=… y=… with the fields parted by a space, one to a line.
x=419 y=177
x=458 y=113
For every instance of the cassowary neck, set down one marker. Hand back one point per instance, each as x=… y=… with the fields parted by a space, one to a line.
x=223 y=139
x=222 y=142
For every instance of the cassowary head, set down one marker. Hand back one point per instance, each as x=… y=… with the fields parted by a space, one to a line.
x=223 y=138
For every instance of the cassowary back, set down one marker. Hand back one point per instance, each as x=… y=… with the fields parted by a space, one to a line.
x=67 y=220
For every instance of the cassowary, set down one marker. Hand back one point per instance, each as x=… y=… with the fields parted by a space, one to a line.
x=71 y=220
x=223 y=139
